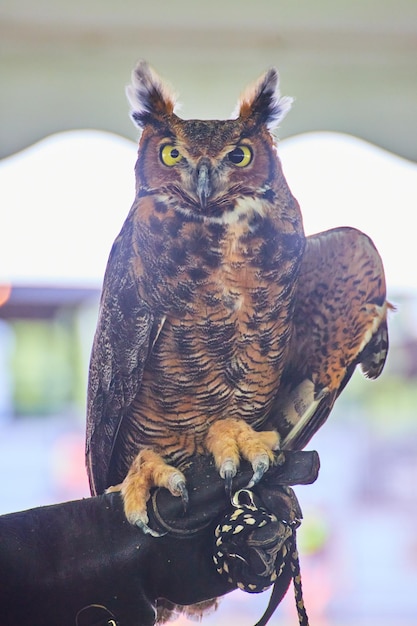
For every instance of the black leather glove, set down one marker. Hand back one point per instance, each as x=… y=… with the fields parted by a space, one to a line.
x=82 y=564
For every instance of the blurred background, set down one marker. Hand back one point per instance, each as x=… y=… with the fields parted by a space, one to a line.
x=349 y=152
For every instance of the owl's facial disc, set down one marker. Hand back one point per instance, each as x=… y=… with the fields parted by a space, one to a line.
x=208 y=167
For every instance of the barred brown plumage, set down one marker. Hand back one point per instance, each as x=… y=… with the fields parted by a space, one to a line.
x=218 y=319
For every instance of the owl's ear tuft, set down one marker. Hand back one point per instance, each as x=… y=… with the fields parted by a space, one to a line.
x=262 y=102
x=150 y=99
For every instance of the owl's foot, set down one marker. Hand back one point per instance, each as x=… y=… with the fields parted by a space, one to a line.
x=231 y=439
x=149 y=470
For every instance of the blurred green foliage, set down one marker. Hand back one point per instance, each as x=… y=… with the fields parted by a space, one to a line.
x=47 y=369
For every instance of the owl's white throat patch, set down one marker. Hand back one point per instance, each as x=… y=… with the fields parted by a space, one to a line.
x=245 y=207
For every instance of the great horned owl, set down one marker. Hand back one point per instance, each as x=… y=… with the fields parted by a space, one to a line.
x=221 y=330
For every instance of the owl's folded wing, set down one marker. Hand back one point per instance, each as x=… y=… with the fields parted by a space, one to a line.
x=340 y=321
x=126 y=332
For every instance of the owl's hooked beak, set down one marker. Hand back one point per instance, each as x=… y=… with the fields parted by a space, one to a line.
x=203 y=187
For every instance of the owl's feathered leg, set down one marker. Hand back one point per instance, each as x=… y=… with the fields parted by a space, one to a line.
x=149 y=470
x=231 y=439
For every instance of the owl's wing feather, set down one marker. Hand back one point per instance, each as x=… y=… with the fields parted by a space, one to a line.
x=373 y=356
x=126 y=333
x=339 y=323
x=316 y=411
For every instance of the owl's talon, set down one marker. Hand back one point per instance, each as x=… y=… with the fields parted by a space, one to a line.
x=147 y=530
x=177 y=486
x=228 y=483
x=228 y=471
x=183 y=494
x=279 y=458
x=260 y=466
x=149 y=470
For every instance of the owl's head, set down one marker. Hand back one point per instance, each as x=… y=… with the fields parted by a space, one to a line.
x=206 y=167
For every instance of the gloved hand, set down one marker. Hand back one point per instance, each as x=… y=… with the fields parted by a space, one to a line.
x=82 y=564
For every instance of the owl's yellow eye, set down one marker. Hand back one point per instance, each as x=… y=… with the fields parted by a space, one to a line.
x=170 y=155
x=241 y=156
